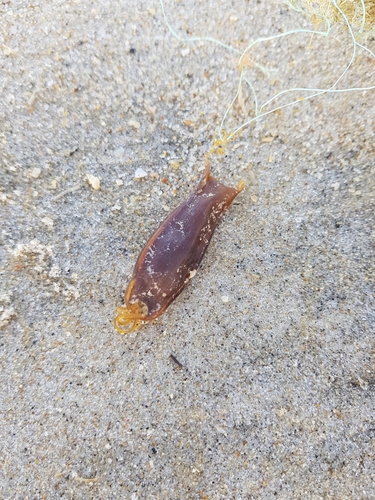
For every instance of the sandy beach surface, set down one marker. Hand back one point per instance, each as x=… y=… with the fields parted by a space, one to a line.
x=275 y=395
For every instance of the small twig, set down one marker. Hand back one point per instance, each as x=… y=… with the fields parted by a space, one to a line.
x=67 y=191
x=87 y=479
x=175 y=360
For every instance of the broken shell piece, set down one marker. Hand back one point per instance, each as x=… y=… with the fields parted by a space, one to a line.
x=93 y=181
x=134 y=124
x=140 y=173
x=35 y=172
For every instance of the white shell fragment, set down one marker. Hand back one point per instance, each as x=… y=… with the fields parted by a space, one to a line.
x=48 y=222
x=93 y=181
x=119 y=152
x=140 y=173
x=35 y=172
x=134 y=124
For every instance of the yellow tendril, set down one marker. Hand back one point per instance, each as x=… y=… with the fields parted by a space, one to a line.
x=220 y=143
x=126 y=321
x=130 y=320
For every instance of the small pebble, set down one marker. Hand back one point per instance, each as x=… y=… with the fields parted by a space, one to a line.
x=175 y=164
x=185 y=52
x=225 y=299
x=119 y=182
